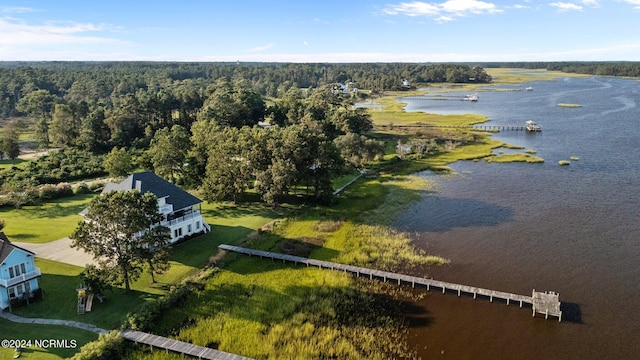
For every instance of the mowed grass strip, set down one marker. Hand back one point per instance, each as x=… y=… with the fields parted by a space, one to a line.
x=71 y=336
x=44 y=222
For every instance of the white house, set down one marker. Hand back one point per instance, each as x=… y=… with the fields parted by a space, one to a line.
x=180 y=209
x=18 y=272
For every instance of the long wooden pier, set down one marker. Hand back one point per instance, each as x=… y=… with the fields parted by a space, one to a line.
x=181 y=347
x=541 y=302
x=472 y=98
x=470 y=127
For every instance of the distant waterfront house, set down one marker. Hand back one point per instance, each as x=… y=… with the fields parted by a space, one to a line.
x=18 y=272
x=180 y=210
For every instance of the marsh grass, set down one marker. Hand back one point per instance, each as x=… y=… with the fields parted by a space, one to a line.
x=282 y=311
x=569 y=105
x=514 y=158
x=392 y=112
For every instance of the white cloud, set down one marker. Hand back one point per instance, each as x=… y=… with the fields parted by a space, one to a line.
x=620 y=52
x=444 y=19
x=444 y=11
x=563 y=6
x=415 y=8
x=592 y=3
x=305 y=43
x=19 y=33
x=260 y=48
x=16 y=9
x=635 y=3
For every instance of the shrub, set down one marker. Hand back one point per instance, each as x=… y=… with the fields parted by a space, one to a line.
x=47 y=192
x=64 y=190
x=148 y=314
x=81 y=189
x=96 y=186
x=108 y=346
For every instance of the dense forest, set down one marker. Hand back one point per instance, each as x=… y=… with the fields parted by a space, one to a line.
x=201 y=124
x=104 y=81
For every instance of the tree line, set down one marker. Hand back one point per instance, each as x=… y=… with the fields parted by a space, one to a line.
x=197 y=123
x=600 y=68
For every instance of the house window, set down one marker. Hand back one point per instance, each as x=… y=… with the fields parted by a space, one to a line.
x=188 y=227
x=177 y=232
x=17 y=270
x=197 y=225
x=18 y=290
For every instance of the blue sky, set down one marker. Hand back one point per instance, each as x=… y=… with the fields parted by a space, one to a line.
x=321 y=31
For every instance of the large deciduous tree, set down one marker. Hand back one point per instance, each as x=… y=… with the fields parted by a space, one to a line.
x=357 y=150
x=118 y=162
x=169 y=150
x=119 y=230
x=232 y=104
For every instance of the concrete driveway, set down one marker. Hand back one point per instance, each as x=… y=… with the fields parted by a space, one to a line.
x=59 y=250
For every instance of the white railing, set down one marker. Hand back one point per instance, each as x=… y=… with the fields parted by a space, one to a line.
x=165 y=209
x=20 y=278
x=175 y=221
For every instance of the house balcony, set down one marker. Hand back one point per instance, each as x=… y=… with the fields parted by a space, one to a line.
x=178 y=220
x=20 y=278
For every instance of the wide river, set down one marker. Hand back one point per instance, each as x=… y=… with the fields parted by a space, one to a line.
x=517 y=227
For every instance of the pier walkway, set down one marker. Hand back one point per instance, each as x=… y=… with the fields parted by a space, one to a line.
x=541 y=302
x=177 y=346
x=470 y=127
x=472 y=98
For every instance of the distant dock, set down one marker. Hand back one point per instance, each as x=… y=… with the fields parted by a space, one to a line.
x=470 y=127
x=469 y=97
x=546 y=303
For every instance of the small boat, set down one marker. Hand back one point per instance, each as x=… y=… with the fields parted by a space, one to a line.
x=530 y=88
x=471 y=97
x=531 y=125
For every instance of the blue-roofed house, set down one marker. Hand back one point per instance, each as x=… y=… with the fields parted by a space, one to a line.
x=18 y=272
x=180 y=209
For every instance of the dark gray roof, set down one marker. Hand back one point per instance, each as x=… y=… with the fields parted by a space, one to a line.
x=149 y=182
x=6 y=247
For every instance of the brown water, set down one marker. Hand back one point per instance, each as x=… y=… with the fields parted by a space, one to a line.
x=517 y=227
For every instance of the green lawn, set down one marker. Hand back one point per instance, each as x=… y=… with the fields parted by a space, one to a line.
x=230 y=224
x=11 y=330
x=8 y=163
x=45 y=222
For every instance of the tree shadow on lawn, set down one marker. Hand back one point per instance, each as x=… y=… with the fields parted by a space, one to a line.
x=230 y=210
x=197 y=252
x=56 y=208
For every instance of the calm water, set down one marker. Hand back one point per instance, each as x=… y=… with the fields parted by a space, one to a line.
x=515 y=227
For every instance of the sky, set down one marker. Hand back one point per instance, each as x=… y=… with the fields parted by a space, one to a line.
x=320 y=30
